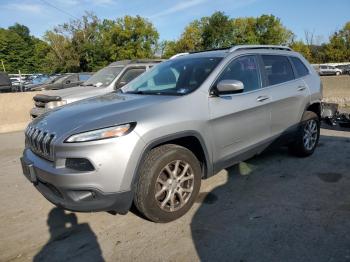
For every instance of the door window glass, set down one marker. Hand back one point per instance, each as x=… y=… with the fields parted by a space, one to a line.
x=299 y=67
x=244 y=69
x=277 y=68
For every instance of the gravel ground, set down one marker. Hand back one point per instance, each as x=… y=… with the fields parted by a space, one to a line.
x=274 y=207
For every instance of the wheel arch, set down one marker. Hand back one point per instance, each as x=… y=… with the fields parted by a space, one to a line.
x=314 y=107
x=191 y=140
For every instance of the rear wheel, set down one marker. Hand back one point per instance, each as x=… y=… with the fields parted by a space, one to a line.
x=307 y=136
x=169 y=182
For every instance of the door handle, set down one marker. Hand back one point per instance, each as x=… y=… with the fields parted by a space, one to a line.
x=262 y=98
x=301 y=88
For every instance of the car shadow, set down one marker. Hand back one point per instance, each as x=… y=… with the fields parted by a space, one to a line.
x=69 y=240
x=276 y=207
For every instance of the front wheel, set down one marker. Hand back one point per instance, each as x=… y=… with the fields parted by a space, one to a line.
x=169 y=182
x=307 y=136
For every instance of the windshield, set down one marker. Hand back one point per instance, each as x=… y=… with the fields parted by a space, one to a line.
x=174 y=77
x=103 y=77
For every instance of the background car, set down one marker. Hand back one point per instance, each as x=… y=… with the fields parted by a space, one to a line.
x=106 y=80
x=329 y=70
x=345 y=69
x=64 y=81
x=5 y=83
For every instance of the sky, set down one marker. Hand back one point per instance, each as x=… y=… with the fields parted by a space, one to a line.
x=320 y=17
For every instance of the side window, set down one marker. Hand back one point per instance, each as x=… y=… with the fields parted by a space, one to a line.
x=299 y=67
x=244 y=69
x=131 y=74
x=71 y=79
x=278 y=69
x=84 y=77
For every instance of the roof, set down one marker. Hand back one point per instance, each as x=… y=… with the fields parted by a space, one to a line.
x=136 y=61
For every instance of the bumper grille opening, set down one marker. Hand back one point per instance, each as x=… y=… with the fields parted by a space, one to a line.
x=80 y=164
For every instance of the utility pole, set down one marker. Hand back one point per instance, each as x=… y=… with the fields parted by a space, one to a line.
x=3 y=66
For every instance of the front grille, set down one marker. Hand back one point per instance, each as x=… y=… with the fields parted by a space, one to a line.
x=40 y=142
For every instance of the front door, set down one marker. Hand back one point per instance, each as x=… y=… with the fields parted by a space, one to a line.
x=239 y=122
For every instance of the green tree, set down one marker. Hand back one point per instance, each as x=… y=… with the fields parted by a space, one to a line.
x=217 y=31
x=270 y=30
x=130 y=37
x=302 y=48
x=338 y=48
x=220 y=31
x=88 y=44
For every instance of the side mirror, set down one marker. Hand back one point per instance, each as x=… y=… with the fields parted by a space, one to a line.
x=67 y=82
x=230 y=86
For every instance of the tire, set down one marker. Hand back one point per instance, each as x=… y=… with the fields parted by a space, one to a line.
x=158 y=190
x=337 y=73
x=309 y=130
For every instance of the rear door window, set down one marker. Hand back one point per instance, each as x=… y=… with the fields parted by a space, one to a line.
x=299 y=66
x=278 y=69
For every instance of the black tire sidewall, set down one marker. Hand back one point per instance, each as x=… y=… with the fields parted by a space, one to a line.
x=307 y=152
x=150 y=206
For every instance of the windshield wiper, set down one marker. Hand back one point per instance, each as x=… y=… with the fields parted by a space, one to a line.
x=139 y=92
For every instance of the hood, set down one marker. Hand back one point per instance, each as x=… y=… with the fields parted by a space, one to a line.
x=102 y=111
x=73 y=94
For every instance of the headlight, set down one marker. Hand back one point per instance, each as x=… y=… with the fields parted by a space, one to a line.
x=53 y=104
x=104 y=133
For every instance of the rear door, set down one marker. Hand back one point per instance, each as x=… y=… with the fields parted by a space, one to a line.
x=288 y=92
x=239 y=122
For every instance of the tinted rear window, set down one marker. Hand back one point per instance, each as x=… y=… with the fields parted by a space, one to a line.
x=299 y=67
x=278 y=69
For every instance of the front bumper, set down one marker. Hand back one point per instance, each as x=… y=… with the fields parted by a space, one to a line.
x=80 y=199
x=77 y=199
x=108 y=187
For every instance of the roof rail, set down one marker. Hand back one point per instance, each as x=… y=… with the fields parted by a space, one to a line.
x=275 y=47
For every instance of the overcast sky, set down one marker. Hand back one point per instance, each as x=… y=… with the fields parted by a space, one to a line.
x=171 y=16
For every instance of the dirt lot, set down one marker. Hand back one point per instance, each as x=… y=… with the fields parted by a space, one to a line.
x=274 y=207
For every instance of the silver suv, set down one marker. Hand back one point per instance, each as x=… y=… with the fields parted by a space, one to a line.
x=104 y=81
x=329 y=70
x=153 y=141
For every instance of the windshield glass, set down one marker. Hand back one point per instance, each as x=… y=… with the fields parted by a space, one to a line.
x=104 y=76
x=174 y=77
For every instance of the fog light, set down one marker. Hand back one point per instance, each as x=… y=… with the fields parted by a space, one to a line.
x=80 y=164
x=81 y=195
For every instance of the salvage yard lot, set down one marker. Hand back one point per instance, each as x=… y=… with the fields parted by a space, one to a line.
x=273 y=207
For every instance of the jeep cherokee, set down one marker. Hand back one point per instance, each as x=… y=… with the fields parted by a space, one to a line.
x=151 y=142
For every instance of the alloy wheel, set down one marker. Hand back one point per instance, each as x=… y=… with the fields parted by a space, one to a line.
x=174 y=186
x=310 y=134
